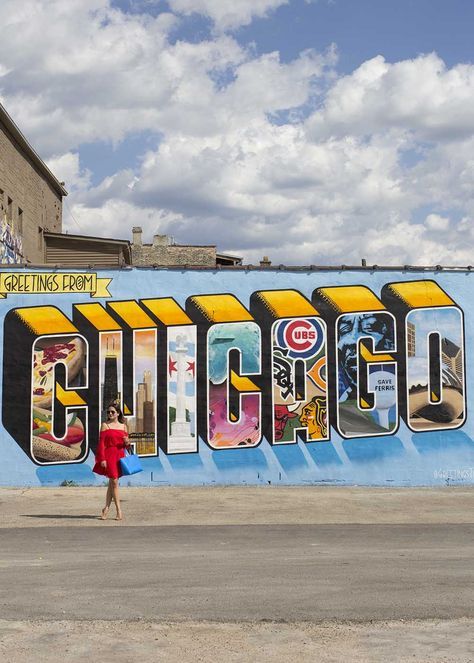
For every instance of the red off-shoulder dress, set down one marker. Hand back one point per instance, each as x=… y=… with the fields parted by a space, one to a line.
x=111 y=449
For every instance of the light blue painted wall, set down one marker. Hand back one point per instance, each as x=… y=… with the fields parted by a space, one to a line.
x=405 y=459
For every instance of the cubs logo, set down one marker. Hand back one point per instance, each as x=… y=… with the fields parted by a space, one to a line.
x=303 y=337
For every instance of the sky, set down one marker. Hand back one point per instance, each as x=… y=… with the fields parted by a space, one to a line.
x=310 y=131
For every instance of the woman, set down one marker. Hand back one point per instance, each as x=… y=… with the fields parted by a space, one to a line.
x=112 y=442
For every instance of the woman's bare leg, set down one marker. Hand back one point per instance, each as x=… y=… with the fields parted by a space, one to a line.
x=108 y=501
x=115 y=494
x=109 y=494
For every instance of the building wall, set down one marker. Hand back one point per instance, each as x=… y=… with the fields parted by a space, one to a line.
x=161 y=252
x=31 y=192
x=262 y=376
x=68 y=252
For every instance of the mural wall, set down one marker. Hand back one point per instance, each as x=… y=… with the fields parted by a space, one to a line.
x=273 y=377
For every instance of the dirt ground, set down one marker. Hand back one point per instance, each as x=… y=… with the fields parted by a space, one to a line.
x=238 y=505
x=122 y=642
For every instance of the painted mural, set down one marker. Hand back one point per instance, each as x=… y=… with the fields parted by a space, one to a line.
x=11 y=243
x=53 y=439
x=235 y=377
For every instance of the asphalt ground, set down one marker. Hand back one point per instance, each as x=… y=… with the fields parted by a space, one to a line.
x=238 y=572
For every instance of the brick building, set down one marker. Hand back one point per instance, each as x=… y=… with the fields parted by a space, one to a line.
x=164 y=252
x=30 y=197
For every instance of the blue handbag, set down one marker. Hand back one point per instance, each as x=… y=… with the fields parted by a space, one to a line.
x=130 y=464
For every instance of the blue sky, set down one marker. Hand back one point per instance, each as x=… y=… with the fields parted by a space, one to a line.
x=397 y=29
x=276 y=127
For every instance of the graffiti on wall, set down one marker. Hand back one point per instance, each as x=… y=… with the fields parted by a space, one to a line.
x=286 y=369
x=11 y=243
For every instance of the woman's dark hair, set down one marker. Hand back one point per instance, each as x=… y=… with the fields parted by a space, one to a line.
x=116 y=406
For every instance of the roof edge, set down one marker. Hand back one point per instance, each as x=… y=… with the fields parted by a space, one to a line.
x=48 y=233
x=219 y=254
x=13 y=129
x=421 y=269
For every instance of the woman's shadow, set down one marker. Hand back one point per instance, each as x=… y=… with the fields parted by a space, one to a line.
x=59 y=516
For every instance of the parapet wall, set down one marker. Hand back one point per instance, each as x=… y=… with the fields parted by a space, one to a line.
x=173 y=254
x=235 y=376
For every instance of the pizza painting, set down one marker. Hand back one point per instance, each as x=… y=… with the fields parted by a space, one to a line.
x=48 y=353
x=45 y=358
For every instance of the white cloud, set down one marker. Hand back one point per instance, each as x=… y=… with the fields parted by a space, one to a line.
x=227 y=14
x=466 y=225
x=102 y=74
x=118 y=217
x=66 y=168
x=420 y=95
x=436 y=222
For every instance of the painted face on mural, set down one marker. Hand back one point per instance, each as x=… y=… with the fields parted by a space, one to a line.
x=353 y=327
x=314 y=417
x=282 y=414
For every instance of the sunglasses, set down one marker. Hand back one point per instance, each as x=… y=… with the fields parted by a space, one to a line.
x=111 y=411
